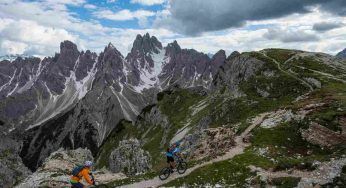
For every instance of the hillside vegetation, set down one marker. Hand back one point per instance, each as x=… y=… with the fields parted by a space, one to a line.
x=303 y=93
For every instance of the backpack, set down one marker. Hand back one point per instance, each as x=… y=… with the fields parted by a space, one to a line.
x=76 y=170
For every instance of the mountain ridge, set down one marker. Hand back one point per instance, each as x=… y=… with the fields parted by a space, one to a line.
x=152 y=97
x=63 y=87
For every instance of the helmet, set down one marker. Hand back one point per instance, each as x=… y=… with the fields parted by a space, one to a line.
x=88 y=163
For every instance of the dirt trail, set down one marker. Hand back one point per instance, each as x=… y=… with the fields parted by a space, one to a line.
x=323 y=74
x=238 y=149
x=289 y=73
x=301 y=67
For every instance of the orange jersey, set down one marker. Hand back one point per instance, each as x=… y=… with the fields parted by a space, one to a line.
x=83 y=173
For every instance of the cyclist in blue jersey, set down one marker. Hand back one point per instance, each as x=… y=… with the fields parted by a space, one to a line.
x=171 y=152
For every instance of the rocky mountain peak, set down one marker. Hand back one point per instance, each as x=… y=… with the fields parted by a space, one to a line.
x=146 y=44
x=144 y=61
x=342 y=54
x=110 y=52
x=67 y=58
x=110 y=45
x=217 y=60
x=68 y=48
x=111 y=62
x=173 y=48
x=232 y=55
x=221 y=54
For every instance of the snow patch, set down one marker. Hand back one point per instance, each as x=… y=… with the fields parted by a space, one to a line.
x=14 y=89
x=9 y=82
x=147 y=81
x=30 y=82
x=159 y=60
x=83 y=85
x=149 y=75
x=17 y=84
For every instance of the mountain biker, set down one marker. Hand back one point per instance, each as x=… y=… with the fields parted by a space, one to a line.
x=84 y=172
x=171 y=152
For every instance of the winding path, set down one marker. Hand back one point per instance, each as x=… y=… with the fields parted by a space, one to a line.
x=301 y=67
x=238 y=149
x=323 y=74
x=289 y=73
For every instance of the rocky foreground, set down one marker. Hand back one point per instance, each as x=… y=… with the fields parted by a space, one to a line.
x=56 y=170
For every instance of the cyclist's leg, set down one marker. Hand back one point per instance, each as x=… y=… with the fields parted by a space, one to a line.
x=169 y=161
x=173 y=164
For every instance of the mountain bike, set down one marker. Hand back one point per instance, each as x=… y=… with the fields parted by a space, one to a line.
x=181 y=166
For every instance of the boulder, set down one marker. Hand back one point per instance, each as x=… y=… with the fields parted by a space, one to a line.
x=129 y=158
x=56 y=169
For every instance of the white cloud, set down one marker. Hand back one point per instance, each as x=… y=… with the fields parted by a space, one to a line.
x=251 y=36
x=50 y=15
x=11 y=47
x=18 y=30
x=39 y=27
x=148 y=2
x=56 y=23
x=123 y=15
x=39 y=40
x=90 y=6
x=67 y=2
x=288 y=35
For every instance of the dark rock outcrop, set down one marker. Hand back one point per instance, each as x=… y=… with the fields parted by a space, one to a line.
x=238 y=68
x=12 y=169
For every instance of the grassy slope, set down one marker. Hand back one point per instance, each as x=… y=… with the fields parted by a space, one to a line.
x=175 y=105
x=284 y=143
x=286 y=149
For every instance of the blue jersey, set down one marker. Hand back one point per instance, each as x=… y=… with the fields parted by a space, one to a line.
x=169 y=154
x=172 y=152
x=176 y=150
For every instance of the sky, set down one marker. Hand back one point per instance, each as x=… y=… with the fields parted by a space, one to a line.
x=37 y=27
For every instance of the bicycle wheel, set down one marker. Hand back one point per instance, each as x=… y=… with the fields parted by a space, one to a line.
x=182 y=166
x=164 y=174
